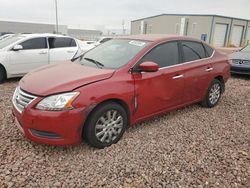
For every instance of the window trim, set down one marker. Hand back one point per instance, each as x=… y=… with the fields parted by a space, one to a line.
x=188 y=62
x=195 y=61
x=134 y=69
x=46 y=42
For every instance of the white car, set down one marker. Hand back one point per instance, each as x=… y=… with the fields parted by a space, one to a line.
x=102 y=40
x=5 y=36
x=88 y=45
x=22 y=53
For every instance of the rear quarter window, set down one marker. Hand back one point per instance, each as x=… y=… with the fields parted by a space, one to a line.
x=193 y=51
x=209 y=50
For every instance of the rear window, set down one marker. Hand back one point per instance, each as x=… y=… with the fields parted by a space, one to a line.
x=193 y=51
x=62 y=42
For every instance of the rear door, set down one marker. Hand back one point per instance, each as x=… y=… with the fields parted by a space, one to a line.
x=161 y=90
x=197 y=68
x=33 y=55
x=62 y=49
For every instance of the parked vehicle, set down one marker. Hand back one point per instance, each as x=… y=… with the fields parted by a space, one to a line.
x=4 y=33
x=22 y=53
x=89 y=41
x=115 y=85
x=88 y=45
x=102 y=40
x=5 y=36
x=240 y=61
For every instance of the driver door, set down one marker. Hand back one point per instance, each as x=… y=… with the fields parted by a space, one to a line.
x=162 y=90
x=34 y=53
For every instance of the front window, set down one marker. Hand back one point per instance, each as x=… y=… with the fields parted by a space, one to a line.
x=10 y=40
x=246 y=49
x=164 y=55
x=35 y=43
x=113 y=54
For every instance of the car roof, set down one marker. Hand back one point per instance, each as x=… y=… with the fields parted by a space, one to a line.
x=42 y=35
x=158 y=37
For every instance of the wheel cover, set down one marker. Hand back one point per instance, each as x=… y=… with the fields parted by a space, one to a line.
x=109 y=126
x=214 y=93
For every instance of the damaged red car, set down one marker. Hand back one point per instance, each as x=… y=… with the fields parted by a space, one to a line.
x=115 y=85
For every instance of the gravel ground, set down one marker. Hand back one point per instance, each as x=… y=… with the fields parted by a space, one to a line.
x=191 y=147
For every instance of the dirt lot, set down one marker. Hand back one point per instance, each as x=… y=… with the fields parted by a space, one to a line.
x=192 y=147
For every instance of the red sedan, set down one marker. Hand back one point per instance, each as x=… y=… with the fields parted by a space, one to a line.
x=115 y=85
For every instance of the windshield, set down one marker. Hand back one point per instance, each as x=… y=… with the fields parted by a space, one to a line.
x=113 y=54
x=246 y=48
x=10 y=40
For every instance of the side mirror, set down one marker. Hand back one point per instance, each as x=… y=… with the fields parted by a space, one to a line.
x=17 y=47
x=148 y=66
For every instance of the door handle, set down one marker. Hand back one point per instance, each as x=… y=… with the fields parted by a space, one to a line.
x=209 y=69
x=178 y=77
x=42 y=53
x=70 y=51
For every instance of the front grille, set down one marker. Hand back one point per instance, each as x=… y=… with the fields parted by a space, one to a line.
x=22 y=99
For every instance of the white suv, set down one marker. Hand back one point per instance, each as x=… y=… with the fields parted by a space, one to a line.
x=22 y=53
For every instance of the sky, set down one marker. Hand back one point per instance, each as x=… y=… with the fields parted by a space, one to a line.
x=109 y=14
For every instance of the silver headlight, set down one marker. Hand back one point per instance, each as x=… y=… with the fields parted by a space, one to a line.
x=57 y=102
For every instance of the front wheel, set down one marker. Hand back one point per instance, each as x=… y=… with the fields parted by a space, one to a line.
x=106 y=125
x=213 y=94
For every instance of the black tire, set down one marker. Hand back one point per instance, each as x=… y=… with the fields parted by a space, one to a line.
x=95 y=125
x=2 y=74
x=209 y=101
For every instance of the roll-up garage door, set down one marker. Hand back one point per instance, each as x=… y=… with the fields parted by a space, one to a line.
x=248 y=35
x=237 y=35
x=220 y=34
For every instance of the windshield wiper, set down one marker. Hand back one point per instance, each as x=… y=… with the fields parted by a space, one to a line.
x=98 y=64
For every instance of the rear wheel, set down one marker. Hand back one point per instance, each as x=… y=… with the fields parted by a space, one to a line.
x=2 y=74
x=213 y=94
x=106 y=125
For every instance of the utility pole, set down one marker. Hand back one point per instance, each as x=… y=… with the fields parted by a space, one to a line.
x=56 y=17
x=123 y=27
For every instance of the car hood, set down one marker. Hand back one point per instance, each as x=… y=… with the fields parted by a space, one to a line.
x=240 y=55
x=61 y=77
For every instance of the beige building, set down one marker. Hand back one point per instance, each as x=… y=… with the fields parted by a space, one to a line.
x=217 y=30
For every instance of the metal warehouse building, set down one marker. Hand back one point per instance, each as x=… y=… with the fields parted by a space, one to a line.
x=217 y=30
x=26 y=27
